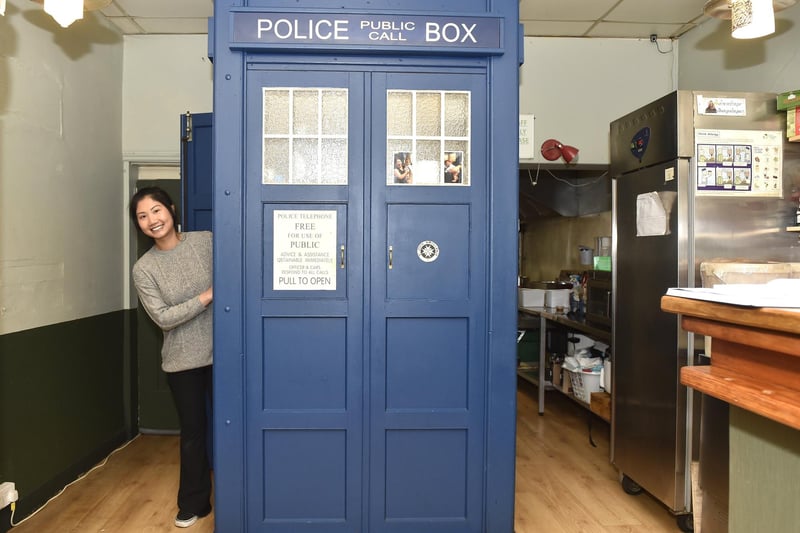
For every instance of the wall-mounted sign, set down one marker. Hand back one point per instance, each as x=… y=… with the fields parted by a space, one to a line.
x=731 y=107
x=342 y=30
x=526 y=148
x=304 y=251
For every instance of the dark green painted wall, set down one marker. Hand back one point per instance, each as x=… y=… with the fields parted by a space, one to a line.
x=67 y=398
x=764 y=475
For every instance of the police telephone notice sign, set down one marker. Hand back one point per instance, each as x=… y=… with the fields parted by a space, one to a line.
x=360 y=30
x=304 y=252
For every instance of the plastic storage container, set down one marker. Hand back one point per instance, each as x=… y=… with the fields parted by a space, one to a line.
x=531 y=297
x=557 y=298
x=584 y=384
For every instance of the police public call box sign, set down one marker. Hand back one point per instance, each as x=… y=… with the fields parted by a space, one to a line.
x=271 y=29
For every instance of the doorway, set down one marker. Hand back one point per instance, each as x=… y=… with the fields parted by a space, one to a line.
x=156 y=410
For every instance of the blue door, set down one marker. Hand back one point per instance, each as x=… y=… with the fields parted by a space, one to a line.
x=197 y=169
x=427 y=346
x=365 y=282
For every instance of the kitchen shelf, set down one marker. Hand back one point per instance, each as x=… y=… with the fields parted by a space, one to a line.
x=531 y=375
x=535 y=375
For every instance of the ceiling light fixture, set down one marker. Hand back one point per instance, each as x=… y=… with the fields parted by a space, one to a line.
x=553 y=149
x=65 y=12
x=2 y=7
x=749 y=18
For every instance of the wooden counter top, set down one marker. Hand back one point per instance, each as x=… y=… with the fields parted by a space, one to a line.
x=755 y=360
x=782 y=319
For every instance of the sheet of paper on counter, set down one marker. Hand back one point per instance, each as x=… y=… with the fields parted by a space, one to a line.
x=775 y=293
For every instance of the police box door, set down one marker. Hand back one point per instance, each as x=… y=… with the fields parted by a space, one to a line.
x=366 y=288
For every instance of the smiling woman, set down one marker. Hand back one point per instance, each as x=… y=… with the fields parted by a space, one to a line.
x=173 y=280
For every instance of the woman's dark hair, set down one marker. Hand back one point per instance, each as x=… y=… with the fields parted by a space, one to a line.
x=157 y=194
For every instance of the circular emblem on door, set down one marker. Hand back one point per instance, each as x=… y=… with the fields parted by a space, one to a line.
x=428 y=251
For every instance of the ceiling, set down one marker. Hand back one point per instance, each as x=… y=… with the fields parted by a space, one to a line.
x=552 y=18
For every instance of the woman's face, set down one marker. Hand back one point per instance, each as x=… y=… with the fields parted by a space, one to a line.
x=154 y=218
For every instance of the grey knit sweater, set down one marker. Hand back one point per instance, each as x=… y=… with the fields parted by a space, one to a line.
x=169 y=283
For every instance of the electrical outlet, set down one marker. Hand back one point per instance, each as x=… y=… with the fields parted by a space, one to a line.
x=653 y=37
x=8 y=494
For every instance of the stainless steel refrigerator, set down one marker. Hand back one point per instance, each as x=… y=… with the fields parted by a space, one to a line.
x=696 y=176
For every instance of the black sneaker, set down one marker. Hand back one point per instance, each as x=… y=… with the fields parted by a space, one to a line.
x=185 y=519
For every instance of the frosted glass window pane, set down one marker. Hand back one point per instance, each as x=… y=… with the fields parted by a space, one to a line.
x=334 y=161
x=462 y=146
x=305 y=119
x=276 y=161
x=400 y=114
x=304 y=161
x=456 y=115
x=276 y=112
x=429 y=151
x=429 y=114
x=399 y=145
x=334 y=112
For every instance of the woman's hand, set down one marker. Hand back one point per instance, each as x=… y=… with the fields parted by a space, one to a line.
x=207 y=296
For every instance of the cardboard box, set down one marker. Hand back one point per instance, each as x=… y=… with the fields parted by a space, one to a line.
x=557 y=377
x=731 y=272
x=600 y=405
x=789 y=100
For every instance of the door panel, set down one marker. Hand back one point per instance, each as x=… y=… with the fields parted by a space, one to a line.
x=427 y=316
x=647 y=412
x=430 y=251
x=304 y=313
x=197 y=166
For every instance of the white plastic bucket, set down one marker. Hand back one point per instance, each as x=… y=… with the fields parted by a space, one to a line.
x=605 y=376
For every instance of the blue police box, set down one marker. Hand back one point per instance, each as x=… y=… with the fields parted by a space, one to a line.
x=365 y=224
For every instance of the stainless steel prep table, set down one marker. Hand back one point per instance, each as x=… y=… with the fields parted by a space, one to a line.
x=546 y=314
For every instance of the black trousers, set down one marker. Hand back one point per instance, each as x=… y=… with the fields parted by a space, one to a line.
x=191 y=390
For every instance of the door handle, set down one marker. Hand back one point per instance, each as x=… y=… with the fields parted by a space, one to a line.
x=391 y=257
x=341 y=256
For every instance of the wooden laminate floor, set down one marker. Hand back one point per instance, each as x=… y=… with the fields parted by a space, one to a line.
x=564 y=484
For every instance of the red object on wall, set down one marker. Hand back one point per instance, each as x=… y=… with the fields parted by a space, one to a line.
x=553 y=149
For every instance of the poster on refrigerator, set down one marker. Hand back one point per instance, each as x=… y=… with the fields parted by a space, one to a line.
x=739 y=162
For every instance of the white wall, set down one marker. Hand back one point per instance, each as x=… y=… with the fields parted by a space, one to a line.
x=164 y=77
x=712 y=60
x=576 y=87
x=60 y=169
